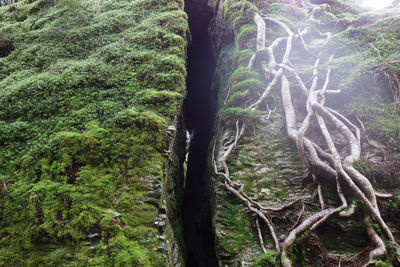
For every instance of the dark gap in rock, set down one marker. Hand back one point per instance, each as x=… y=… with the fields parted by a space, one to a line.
x=199 y=109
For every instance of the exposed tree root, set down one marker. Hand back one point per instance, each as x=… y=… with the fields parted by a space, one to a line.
x=260 y=238
x=326 y=164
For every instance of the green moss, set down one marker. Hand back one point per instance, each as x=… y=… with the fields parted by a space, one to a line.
x=242 y=57
x=298 y=252
x=284 y=10
x=340 y=7
x=237 y=98
x=344 y=240
x=127 y=253
x=380 y=263
x=252 y=85
x=238 y=234
x=381 y=120
x=266 y=260
x=87 y=92
x=238 y=13
x=232 y=114
x=241 y=74
x=261 y=55
x=245 y=33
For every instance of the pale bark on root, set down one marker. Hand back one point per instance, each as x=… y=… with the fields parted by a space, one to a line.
x=366 y=192
x=380 y=249
x=267 y=90
x=290 y=117
x=239 y=192
x=355 y=151
x=270 y=227
x=260 y=23
x=361 y=181
x=383 y=195
x=256 y=211
x=319 y=190
x=305 y=225
x=371 y=207
x=298 y=218
x=260 y=31
x=328 y=164
x=306 y=122
x=349 y=212
x=304 y=43
x=260 y=238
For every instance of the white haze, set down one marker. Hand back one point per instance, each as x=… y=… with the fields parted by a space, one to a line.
x=376 y=4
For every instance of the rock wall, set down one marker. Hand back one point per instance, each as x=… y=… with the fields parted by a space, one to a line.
x=92 y=138
x=267 y=163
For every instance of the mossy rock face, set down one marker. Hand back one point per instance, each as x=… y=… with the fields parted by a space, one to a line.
x=364 y=68
x=87 y=91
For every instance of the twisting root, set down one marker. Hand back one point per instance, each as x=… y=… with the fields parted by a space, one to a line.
x=298 y=218
x=260 y=236
x=380 y=249
x=320 y=196
x=326 y=164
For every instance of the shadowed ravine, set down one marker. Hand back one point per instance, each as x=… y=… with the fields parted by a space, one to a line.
x=199 y=110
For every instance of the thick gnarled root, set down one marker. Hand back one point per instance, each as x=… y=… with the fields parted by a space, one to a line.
x=328 y=163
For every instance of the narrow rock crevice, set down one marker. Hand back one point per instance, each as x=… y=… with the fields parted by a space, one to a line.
x=199 y=109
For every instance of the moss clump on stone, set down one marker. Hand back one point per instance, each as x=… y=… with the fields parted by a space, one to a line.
x=266 y=260
x=87 y=91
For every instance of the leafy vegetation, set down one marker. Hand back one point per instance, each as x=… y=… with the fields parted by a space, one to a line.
x=87 y=89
